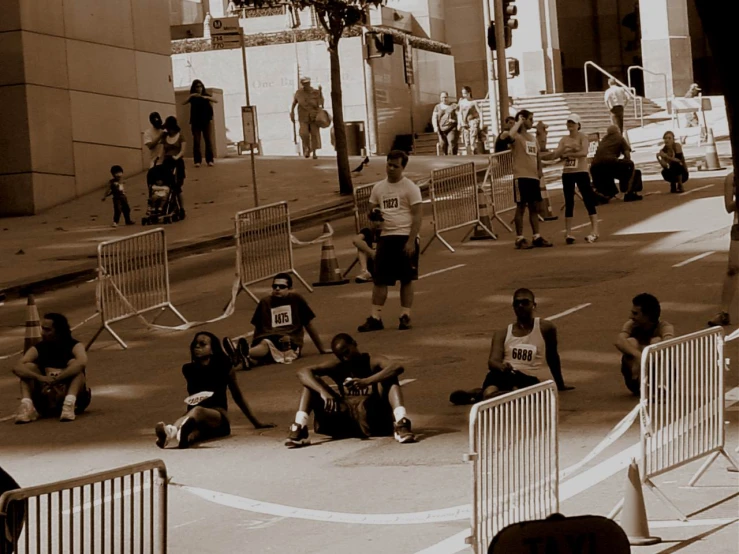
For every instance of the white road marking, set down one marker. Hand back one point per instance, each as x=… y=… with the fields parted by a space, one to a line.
x=7 y=418
x=579 y=226
x=694 y=259
x=704 y=187
x=568 y=312
x=441 y=271
x=667 y=524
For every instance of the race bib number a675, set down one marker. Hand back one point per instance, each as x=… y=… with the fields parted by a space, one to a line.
x=282 y=317
x=523 y=352
x=390 y=202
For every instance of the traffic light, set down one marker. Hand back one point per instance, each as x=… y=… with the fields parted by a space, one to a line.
x=510 y=10
x=514 y=67
x=379 y=44
x=491 y=36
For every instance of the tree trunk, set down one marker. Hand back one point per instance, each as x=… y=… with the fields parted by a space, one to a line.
x=720 y=31
x=342 y=157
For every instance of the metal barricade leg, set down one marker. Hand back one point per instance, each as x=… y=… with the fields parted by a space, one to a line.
x=305 y=284
x=659 y=494
x=698 y=474
x=354 y=262
x=503 y=223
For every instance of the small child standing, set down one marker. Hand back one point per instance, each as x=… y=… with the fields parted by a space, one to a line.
x=117 y=189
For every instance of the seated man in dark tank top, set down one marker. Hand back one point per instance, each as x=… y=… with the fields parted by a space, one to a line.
x=52 y=374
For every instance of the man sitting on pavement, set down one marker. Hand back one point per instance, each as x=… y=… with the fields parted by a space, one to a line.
x=280 y=322
x=518 y=354
x=366 y=243
x=52 y=374
x=644 y=328
x=608 y=164
x=368 y=400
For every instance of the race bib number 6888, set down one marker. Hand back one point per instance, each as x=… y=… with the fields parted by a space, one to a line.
x=523 y=353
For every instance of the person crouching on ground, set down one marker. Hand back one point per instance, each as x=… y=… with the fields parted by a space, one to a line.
x=280 y=322
x=366 y=243
x=368 y=400
x=208 y=375
x=52 y=374
x=672 y=160
x=643 y=328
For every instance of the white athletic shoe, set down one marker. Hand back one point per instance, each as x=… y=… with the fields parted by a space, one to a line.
x=67 y=412
x=591 y=238
x=364 y=277
x=165 y=434
x=26 y=413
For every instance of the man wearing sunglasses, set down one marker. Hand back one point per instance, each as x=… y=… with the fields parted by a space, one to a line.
x=367 y=402
x=518 y=354
x=280 y=322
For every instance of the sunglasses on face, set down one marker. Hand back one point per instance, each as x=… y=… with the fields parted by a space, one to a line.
x=278 y=286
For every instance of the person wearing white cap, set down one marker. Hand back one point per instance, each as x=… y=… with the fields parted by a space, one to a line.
x=573 y=151
x=309 y=102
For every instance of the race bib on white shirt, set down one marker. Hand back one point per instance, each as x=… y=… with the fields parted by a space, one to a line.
x=523 y=352
x=390 y=202
x=282 y=317
x=531 y=148
x=570 y=162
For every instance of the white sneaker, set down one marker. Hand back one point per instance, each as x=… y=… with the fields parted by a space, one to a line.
x=114 y=225
x=591 y=238
x=67 y=412
x=363 y=277
x=26 y=413
x=165 y=434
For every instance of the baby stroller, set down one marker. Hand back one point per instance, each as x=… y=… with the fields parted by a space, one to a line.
x=162 y=206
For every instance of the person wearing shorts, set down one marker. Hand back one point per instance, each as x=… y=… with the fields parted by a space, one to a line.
x=399 y=201
x=280 y=322
x=731 y=280
x=367 y=402
x=209 y=374
x=573 y=151
x=643 y=328
x=53 y=374
x=518 y=354
x=527 y=175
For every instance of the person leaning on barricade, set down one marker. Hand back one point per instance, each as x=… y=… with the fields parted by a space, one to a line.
x=368 y=400
x=280 y=322
x=518 y=354
x=366 y=243
x=209 y=374
x=52 y=374
x=643 y=328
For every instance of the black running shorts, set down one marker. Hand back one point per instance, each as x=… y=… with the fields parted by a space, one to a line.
x=391 y=262
x=526 y=191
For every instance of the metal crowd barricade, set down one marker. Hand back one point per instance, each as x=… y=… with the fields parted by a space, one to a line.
x=454 y=201
x=499 y=181
x=133 y=279
x=515 y=462
x=682 y=399
x=361 y=212
x=263 y=247
x=115 y=511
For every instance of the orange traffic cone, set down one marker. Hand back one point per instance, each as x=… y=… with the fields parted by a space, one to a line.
x=712 y=161
x=33 y=325
x=545 y=206
x=330 y=271
x=634 y=515
x=480 y=233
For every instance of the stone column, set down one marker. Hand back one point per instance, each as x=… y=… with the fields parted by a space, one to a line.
x=665 y=46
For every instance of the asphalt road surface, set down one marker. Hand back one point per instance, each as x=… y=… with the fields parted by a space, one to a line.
x=248 y=493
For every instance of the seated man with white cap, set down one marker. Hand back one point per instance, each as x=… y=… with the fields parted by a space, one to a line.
x=309 y=102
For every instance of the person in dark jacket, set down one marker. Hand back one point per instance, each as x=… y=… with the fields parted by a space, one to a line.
x=201 y=121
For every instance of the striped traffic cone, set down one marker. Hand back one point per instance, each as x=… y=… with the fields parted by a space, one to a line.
x=330 y=271
x=711 y=156
x=33 y=325
x=545 y=206
x=480 y=233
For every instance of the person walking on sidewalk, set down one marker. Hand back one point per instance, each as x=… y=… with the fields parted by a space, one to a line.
x=616 y=99
x=201 y=121
x=174 y=151
x=573 y=151
x=527 y=175
x=469 y=121
x=444 y=122
x=309 y=102
x=731 y=281
x=153 y=138
x=399 y=201
x=117 y=189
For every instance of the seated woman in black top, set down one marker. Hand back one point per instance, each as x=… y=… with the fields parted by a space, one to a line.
x=208 y=375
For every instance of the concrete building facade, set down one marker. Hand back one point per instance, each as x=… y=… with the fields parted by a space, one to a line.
x=78 y=79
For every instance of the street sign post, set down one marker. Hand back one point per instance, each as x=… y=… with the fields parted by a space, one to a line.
x=251 y=138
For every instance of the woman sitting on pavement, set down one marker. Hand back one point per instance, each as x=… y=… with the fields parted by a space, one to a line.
x=672 y=160
x=208 y=375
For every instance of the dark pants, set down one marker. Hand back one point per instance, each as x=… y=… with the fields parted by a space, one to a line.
x=617 y=116
x=206 y=131
x=582 y=180
x=448 y=142
x=604 y=174
x=120 y=206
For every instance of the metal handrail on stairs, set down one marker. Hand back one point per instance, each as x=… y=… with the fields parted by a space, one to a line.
x=638 y=102
x=655 y=73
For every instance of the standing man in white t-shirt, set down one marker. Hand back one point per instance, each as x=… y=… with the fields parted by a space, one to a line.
x=616 y=99
x=398 y=199
x=153 y=139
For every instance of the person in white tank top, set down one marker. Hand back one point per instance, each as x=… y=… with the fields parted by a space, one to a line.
x=731 y=198
x=519 y=354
